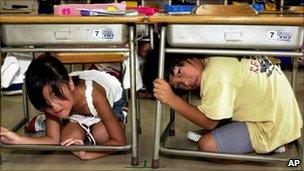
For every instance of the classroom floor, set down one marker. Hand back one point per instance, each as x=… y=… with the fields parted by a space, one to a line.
x=36 y=160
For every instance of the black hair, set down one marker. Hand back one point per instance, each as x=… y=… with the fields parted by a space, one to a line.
x=150 y=71
x=45 y=70
x=151 y=67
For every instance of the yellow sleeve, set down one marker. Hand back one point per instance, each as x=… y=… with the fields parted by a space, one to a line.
x=218 y=100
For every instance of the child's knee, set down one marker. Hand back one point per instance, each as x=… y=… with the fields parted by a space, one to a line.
x=70 y=131
x=207 y=143
x=77 y=135
x=100 y=134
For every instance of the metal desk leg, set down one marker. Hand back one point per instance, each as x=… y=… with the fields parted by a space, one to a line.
x=302 y=148
x=295 y=65
x=155 y=160
x=301 y=138
x=0 y=107
x=134 y=159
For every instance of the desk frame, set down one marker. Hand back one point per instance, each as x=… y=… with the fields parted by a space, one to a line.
x=39 y=20
x=160 y=139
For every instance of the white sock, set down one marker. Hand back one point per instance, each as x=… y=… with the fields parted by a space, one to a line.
x=280 y=150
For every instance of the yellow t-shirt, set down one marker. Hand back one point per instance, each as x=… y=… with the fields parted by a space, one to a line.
x=252 y=91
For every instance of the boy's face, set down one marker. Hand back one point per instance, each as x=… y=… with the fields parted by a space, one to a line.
x=59 y=108
x=188 y=76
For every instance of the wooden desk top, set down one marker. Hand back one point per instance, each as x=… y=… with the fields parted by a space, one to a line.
x=254 y=20
x=51 y=19
x=163 y=18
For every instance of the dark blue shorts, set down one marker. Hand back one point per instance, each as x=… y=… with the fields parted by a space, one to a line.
x=117 y=108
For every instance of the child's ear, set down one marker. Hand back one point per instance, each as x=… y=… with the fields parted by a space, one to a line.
x=71 y=84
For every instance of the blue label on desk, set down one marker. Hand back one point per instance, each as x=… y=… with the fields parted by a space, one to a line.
x=107 y=34
x=279 y=36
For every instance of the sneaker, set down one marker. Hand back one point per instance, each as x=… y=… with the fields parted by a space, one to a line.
x=192 y=136
x=13 y=89
x=36 y=124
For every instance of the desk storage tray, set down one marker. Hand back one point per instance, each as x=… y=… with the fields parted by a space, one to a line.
x=235 y=36
x=64 y=34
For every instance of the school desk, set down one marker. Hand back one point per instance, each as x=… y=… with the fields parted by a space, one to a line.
x=175 y=29
x=102 y=30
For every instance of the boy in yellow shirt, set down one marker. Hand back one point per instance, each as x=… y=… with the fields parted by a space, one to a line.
x=252 y=92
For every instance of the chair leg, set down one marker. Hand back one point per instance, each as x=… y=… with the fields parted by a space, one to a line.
x=295 y=65
x=139 y=129
x=25 y=107
x=172 y=120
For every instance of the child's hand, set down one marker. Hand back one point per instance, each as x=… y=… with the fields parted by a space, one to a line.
x=9 y=137
x=163 y=92
x=73 y=141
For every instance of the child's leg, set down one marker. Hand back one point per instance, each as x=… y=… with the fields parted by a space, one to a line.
x=230 y=138
x=100 y=132
x=207 y=143
x=72 y=130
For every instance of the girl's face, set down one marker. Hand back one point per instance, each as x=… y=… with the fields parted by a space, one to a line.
x=57 y=107
x=188 y=76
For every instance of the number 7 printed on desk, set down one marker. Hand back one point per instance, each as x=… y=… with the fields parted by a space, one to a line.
x=107 y=34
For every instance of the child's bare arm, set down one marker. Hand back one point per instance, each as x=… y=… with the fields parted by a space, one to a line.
x=115 y=130
x=85 y=155
x=89 y=155
x=163 y=92
x=51 y=136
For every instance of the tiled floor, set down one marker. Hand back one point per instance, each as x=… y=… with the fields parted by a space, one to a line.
x=36 y=160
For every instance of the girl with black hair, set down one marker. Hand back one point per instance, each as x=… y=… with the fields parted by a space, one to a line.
x=90 y=101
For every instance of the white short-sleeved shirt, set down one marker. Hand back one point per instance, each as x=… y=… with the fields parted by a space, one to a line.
x=113 y=92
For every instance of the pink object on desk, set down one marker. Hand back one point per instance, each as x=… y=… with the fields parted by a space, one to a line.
x=74 y=9
x=66 y=11
x=146 y=10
